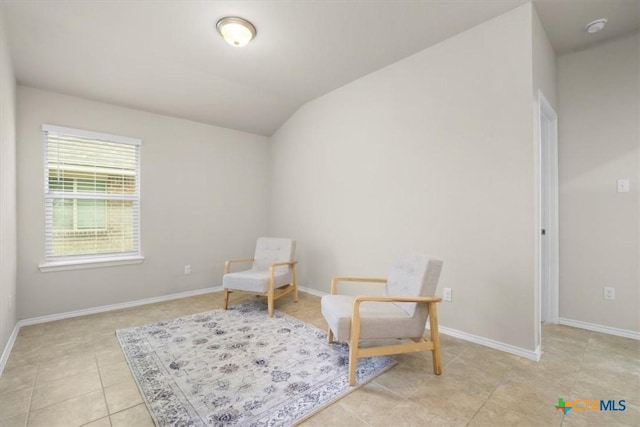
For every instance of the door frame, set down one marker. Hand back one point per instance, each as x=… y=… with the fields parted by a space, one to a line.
x=549 y=310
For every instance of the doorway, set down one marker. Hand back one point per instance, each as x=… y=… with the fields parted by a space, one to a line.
x=549 y=236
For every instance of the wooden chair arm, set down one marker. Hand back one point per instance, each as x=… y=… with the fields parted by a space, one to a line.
x=355 y=315
x=335 y=280
x=272 y=268
x=281 y=263
x=227 y=264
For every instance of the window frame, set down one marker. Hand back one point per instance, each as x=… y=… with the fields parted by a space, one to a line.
x=66 y=262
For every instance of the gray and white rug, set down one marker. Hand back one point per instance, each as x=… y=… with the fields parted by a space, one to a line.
x=239 y=367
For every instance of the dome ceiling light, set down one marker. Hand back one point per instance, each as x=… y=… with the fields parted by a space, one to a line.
x=236 y=31
x=595 y=26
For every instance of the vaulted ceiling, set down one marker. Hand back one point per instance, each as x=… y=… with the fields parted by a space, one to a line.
x=166 y=57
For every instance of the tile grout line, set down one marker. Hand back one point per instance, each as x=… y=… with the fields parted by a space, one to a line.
x=581 y=358
x=33 y=389
x=104 y=395
x=493 y=392
x=584 y=350
x=68 y=398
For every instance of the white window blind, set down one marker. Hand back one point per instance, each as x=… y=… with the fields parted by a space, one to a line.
x=92 y=195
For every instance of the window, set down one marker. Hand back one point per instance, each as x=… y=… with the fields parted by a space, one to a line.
x=78 y=214
x=92 y=195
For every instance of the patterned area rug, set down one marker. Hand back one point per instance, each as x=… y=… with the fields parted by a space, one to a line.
x=239 y=367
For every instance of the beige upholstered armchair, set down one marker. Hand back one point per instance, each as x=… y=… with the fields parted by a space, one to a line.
x=401 y=312
x=273 y=272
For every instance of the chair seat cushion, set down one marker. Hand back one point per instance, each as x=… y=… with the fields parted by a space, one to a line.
x=379 y=320
x=254 y=280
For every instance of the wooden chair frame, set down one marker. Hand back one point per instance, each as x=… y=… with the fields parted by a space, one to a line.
x=272 y=293
x=418 y=344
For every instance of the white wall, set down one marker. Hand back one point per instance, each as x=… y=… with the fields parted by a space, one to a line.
x=433 y=153
x=204 y=197
x=8 y=240
x=599 y=142
x=544 y=64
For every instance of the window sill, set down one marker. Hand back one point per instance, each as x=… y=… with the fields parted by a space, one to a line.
x=89 y=263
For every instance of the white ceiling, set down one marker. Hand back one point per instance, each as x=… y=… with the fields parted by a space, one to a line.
x=166 y=57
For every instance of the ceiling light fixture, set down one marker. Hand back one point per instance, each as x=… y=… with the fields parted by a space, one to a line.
x=236 y=31
x=595 y=26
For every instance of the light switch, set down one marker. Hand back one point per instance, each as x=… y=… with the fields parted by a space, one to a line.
x=623 y=185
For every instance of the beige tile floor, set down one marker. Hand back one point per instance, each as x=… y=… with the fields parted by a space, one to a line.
x=73 y=373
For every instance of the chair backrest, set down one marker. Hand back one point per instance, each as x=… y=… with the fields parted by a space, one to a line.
x=413 y=275
x=272 y=249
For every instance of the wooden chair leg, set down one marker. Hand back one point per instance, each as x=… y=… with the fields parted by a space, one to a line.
x=270 y=305
x=433 y=323
x=226 y=299
x=353 y=361
x=330 y=336
x=295 y=285
x=354 y=340
x=270 y=293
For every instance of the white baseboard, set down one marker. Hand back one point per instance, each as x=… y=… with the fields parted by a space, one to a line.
x=128 y=304
x=498 y=345
x=312 y=291
x=600 y=328
x=9 y=347
x=111 y=307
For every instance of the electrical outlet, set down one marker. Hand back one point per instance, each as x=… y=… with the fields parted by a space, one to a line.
x=609 y=293
x=10 y=300
x=187 y=270
x=623 y=185
x=446 y=294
